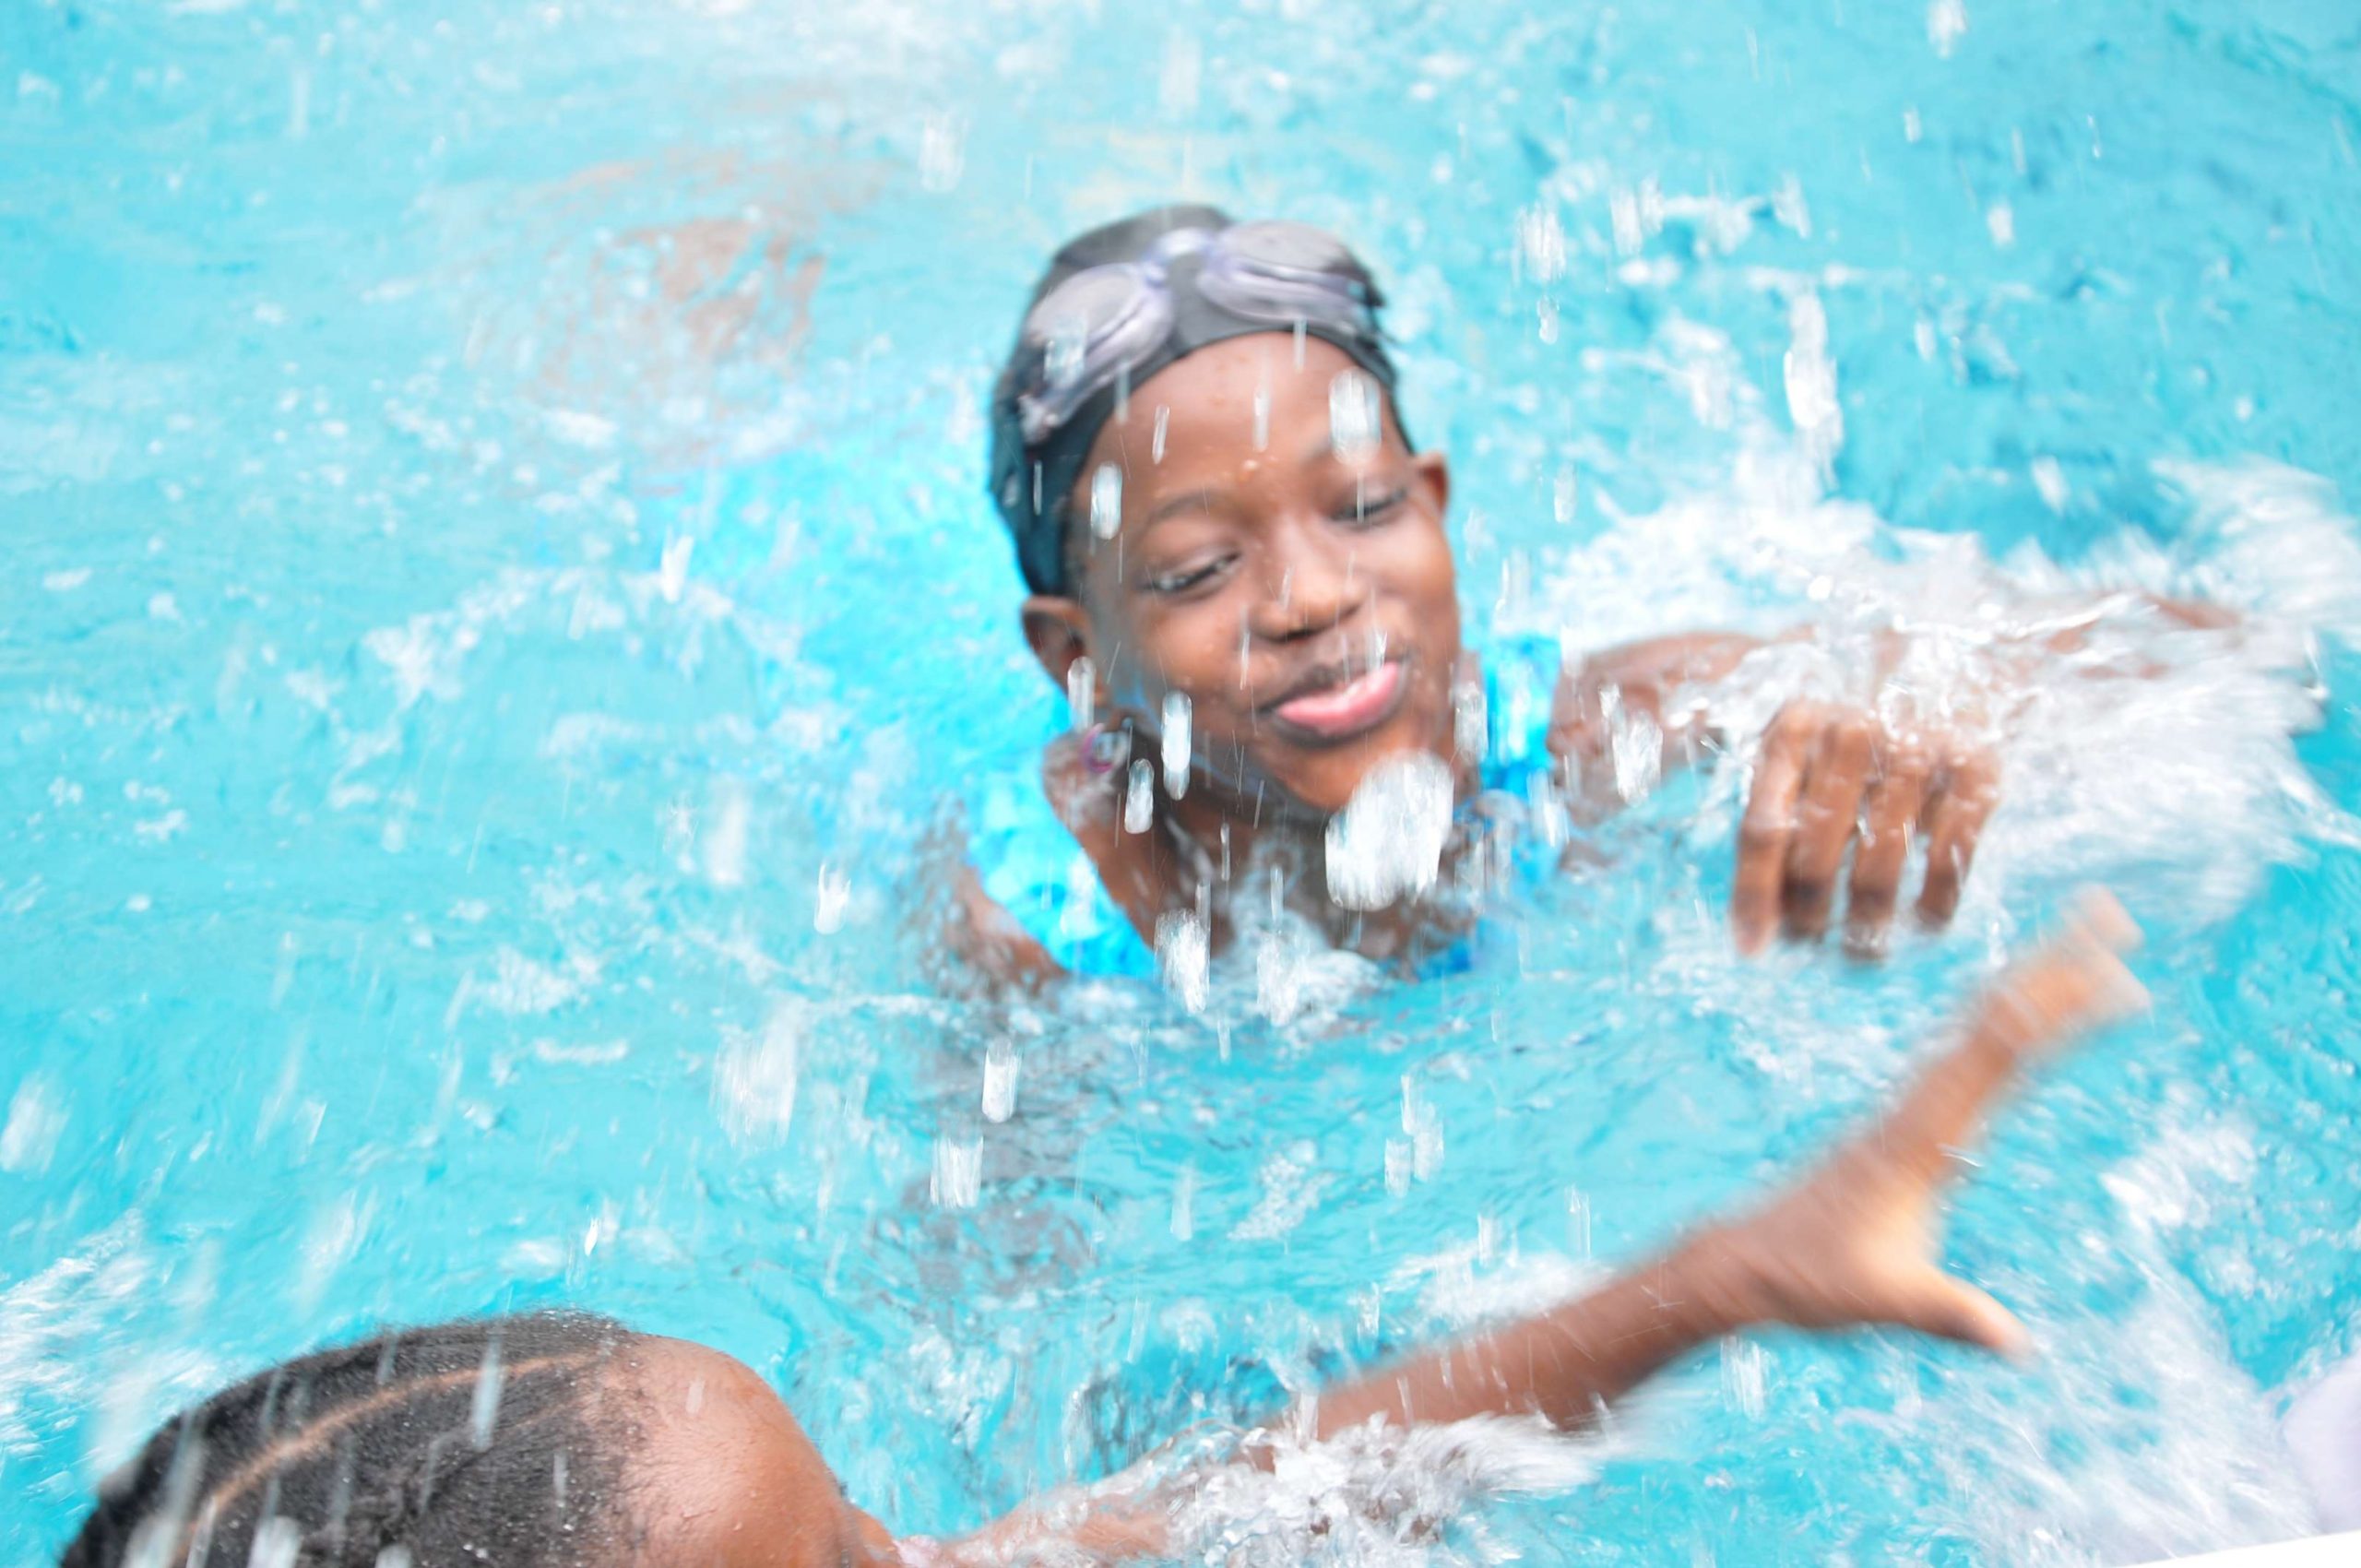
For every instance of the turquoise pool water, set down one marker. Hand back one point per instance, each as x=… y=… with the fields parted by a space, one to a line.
x=500 y=584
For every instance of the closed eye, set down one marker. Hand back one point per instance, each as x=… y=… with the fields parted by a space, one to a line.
x=1185 y=578
x=1366 y=509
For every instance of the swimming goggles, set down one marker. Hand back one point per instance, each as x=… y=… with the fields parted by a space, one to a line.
x=1090 y=331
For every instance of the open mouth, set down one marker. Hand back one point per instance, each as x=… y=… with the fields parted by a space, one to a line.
x=1334 y=705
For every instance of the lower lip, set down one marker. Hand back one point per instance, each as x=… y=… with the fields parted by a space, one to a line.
x=1347 y=710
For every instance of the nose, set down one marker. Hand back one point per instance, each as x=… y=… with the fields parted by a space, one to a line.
x=1311 y=583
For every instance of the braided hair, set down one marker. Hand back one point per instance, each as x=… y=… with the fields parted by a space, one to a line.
x=467 y=1443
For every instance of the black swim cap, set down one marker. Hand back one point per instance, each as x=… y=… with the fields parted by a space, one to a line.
x=1032 y=472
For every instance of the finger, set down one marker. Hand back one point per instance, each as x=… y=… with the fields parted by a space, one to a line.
x=1952 y=1309
x=1828 y=817
x=1769 y=825
x=1955 y=818
x=2072 y=982
x=1879 y=859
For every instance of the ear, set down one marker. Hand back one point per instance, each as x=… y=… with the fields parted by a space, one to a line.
x=1058 y=628
x=1431 y=473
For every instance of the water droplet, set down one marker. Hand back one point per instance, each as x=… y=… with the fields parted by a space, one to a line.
x=957 y=1180
x=831 y=896
x=724 y=839
x=1811 y=383
x=1176 y=744
x=1354 y=416
x=1082 y=693
x=1062 y=358
x=2049 y=479
x=1184 y=1203
x=1541 y=239
x=484 y=1411
x=1262 y=416
x=36 y=1118
x=1162 y=421
x=756 y=1080
x=1946 y=25
x=941 y=152
x=1562 y=494
x=1745 y=1374
x=1177 y=86
x=672 y=571
x=276 y=1543
x=1139 y=801
x=1000 y=1080
x=1623 y=220
x=1636 y=747
x=1470 y=717
x=1107 y=501
x=1577 y=1223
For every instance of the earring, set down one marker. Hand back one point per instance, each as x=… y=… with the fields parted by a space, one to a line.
x=1104 y=749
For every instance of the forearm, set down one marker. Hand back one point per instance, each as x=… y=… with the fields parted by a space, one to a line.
x=1654 y=679
x=1564 y=1364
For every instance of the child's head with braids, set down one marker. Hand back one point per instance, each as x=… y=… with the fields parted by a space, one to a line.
x=530 y=1442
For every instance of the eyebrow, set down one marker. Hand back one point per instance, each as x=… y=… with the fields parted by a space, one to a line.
x=1202 y=497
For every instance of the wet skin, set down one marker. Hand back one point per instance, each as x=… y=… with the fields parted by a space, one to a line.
x=1304 y=601
x=1262 y=582
x=724 y=1478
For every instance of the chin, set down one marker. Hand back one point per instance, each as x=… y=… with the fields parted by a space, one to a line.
x=1322 y=784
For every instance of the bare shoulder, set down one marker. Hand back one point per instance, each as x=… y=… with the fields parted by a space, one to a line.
x=974 y=927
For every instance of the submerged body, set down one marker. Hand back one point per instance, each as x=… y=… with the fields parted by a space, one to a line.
x=569 y=1440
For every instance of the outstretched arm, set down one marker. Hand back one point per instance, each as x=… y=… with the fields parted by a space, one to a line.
x=1855 y=1242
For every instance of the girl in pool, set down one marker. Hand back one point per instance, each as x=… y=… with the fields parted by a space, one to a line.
x=1239 y=575
x=567 y=1440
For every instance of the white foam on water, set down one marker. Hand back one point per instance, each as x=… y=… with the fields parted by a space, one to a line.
x=2131 y=745
x=59 y=1346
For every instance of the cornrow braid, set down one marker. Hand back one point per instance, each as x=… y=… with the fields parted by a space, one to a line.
x=466 y=1442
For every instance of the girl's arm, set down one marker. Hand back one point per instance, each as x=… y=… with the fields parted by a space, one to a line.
x=1854 y=1243
x=1833 y=780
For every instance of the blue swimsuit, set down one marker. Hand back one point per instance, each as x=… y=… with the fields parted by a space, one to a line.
x=1032 y=865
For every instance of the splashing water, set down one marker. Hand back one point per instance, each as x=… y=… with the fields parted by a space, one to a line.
x=500 y=597
x=1386 y=844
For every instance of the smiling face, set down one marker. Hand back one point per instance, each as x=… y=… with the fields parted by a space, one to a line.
x=1297 y=590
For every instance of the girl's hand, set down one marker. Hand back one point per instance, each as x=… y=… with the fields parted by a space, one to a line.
x=1831 y=775
x=1856 y=1241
